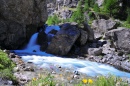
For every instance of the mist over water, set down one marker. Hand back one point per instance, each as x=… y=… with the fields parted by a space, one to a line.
x=33 y=54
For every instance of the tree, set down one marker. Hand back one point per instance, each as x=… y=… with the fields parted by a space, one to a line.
x=86 y=6
x=52 y=20
x=96 y=7
x=78 y=16
x=128 y=15
x=111 y=7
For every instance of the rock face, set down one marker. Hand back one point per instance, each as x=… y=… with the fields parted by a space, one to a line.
x=19 y=19
x=120 y=38
x=64 y=39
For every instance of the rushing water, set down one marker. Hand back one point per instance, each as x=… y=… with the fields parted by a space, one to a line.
x=43 y=59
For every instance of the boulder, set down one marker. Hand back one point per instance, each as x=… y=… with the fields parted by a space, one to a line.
x=83 y=38
x=42 y=40
x=102 y=25
x=120 y=38
x=63 y=41
x=19 y=19
x=89 y=31
x=95 y=51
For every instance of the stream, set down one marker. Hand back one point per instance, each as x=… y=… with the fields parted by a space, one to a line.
x=44 y=60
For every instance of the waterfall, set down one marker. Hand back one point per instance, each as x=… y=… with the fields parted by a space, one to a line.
x=32 y=41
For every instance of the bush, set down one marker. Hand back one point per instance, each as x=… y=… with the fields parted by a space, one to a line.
x=5 y=62
x=52 y=20
x=6 y=66
x=96 y=7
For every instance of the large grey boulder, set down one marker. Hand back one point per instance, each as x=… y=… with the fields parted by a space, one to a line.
x=120 y=38
x=63 y=41
x=102 y=25
x=19 y=19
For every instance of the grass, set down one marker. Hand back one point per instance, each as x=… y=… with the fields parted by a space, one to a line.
x=99 y=81
x=6 y=66
x=42 y=80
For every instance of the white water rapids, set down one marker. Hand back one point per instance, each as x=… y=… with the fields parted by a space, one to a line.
x=42 y=59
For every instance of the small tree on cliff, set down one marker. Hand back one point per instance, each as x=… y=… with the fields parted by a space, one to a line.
x=111 y=7
x=78 y=16
x=128 y=16
x=86 y=6
x=96 y=7
x=52 y=20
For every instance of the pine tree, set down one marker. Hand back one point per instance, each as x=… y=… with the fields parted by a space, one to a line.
x=111 y=6
x=96 y=7
x=86 y=6
x=78 y=16
x=128 y=15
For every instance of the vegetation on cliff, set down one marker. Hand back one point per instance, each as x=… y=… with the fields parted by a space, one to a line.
x=116 y=9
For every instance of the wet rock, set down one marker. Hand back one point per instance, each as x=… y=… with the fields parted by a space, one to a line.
x=64 y=40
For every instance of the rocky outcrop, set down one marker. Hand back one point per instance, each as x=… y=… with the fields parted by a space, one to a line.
x=57 y=5
x=101 y=26
x=19 y=19
x=120 y=39
x=64 y=39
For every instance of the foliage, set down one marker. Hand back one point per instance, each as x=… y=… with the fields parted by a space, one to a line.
x=52 y=20
x=96 y=7
x=6 y=66
x=91 y=3
x=42 y=81
x=7 y=74
x=111 y=7
x=86 y=6
x=49 y=80
x=128 y=16
x=5 y=62
x=78 y=16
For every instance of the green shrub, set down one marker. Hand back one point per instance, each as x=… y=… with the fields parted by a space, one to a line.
x=6 y=66
x=42 y=81
x=96 y=7
x=5 y=62
x=52 y=20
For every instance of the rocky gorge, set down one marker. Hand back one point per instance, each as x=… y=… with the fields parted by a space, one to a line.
x=104 y=41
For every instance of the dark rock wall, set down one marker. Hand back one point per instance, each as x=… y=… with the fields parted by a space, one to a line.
x=19 y=19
